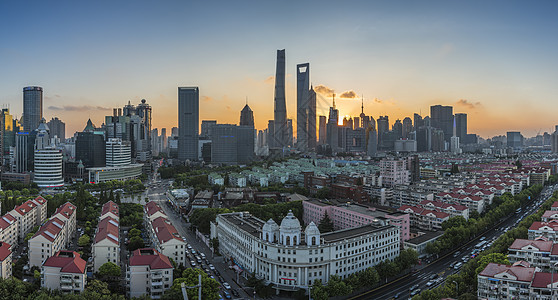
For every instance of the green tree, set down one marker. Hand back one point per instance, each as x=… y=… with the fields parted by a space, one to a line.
x=109 y=269
x=210 y=287
x=134 y=232
x=337 y=287
x=322 y=193
x=498 y=258
x=136 y=242
x=318 y=291
x=326 y=225
x=84 y=240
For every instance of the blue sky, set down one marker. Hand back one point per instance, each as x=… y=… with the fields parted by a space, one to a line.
x=495 y=60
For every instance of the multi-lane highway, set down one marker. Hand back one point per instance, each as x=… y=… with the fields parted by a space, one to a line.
x=434 y=274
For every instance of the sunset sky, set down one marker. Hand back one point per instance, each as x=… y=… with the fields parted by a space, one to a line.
x=495 y=60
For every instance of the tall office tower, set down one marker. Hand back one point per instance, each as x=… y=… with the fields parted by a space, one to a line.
x=356 y=122
x=302 y=106
x=24 y=151
x=372 y=123
x=417 y=121
x=371 y=142
x=332 y=128
x=231 y=144
x=118 y=153
x=322 y=130
x=7 y=134
x=188 y=122
x=32 y=107
x=407 y=127
x=142 y=139
x=174 y=131
x=290 y=136
x=437 y=140
x=383 y=127
x=270 y=132
x=57 y=128
x=311 y=118
x=554 y=141
x=90 y=148
x=441 y=117
x=206 y=128
x=246 y=116
x=461 y=128
x=454 y=141
x=514 y=140
x=155 y=140
x=398 y=129
x=164 y=139
x=280 y=107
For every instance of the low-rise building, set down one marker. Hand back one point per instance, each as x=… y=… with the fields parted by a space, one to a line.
x=110 y=209
x=149 y=273
x=166 y=239
x=453 y=210
x=64 y=271
x=106 y=245
x=152 y=211
x=8 y=229
x=67 y=213
x=499 y=281
x=122 y=173
x=535 y=252
x=420 y=242
x=548 y=230
x=549 y=215
x=29 y=214
x=49 y=239
x=290 y=258
x=5 y=260
x=423 y=218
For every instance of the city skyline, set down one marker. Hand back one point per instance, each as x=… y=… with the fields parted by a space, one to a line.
x=497 y=64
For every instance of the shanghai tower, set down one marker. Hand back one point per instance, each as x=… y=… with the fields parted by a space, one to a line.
x=280 y=112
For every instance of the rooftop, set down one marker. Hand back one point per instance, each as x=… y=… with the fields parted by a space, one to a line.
x=67 y=261
x=150 y=257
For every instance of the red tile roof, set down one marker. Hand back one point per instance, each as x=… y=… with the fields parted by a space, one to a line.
x=555 y=204
x=26 y=207
x=538 y=225
x=66 y=210
x=67 y=261
x=443 y=205
x=108 y=228
x=40 y=200
x=4 y=250
x=521 y=273
x=150 y=257
x=543 y=246
x=6 y=221
x=550 y=214
x=51 y=229
x=110 y=207
x=164 y=230
x=151 y=208
x=543 y=279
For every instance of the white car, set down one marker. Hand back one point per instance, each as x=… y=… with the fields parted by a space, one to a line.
x=226 y=285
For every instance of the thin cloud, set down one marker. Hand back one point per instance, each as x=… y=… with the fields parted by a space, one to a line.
x=270 y=79
x=348 y=95
x=378 y=101
x=206 y=99
x=78 y=108
x=467 y=104
x=324 y=90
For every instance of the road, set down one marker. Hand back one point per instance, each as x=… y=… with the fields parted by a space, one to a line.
x=442 y=267
x=156 y=193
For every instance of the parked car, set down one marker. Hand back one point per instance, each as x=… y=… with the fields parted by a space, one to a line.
x=226 y=285
x=235 y=293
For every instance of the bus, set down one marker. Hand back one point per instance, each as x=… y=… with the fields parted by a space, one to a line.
x=479 y=245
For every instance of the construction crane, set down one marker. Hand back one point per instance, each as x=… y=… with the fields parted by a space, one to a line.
x=199 y=286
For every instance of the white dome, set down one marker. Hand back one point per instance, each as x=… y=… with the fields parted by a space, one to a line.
x=312 y=229
x=270 y=226
x=290 y=222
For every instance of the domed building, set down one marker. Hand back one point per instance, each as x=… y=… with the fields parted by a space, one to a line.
x=290 y=259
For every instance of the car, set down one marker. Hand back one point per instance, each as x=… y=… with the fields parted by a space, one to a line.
x=430 y=283
x=202 y=255
x=397 y=295
x=227 y=295
x=453 y=264
x=457 y=266
x=415 y=292
x=433 y=276
x=414 y=287
x=193 y=263
x=193 y=251
x=235 y=293
x=226 y=285
x=456 y=254
x=211 y=267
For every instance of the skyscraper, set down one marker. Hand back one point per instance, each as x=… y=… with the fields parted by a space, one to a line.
x=311 y=119
x=231 y=144
x=302 y=105
x=246 y=116
x=280 y=111
x=188 y=122
x=441 y=117
x=322 y=130
x=461 y=128
x=206 y=126
x=32 y=107
x=383 y=127
x=417 y=121
x=57 y=128
x=407 y=127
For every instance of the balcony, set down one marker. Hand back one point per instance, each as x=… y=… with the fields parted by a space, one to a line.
x=64 y=286
x=66 y=280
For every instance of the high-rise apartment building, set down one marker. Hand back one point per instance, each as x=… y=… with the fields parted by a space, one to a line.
x=32 y=107
x=441 y=117
x=57 y=128
x=118 y=153
x=188 y=122
x=280 y=134
x=47 y=165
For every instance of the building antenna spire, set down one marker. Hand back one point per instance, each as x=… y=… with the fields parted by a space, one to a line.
x=246 y=100
x=362 y=105
x=333 y=100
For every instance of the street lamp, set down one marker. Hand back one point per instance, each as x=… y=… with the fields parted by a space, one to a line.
x=456 y=286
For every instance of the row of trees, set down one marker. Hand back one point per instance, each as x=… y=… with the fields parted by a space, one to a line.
x=16 y=289
x=201 y=218
x=457 y=230
x=210 y=287
x=368 y=278
x=463 y=285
